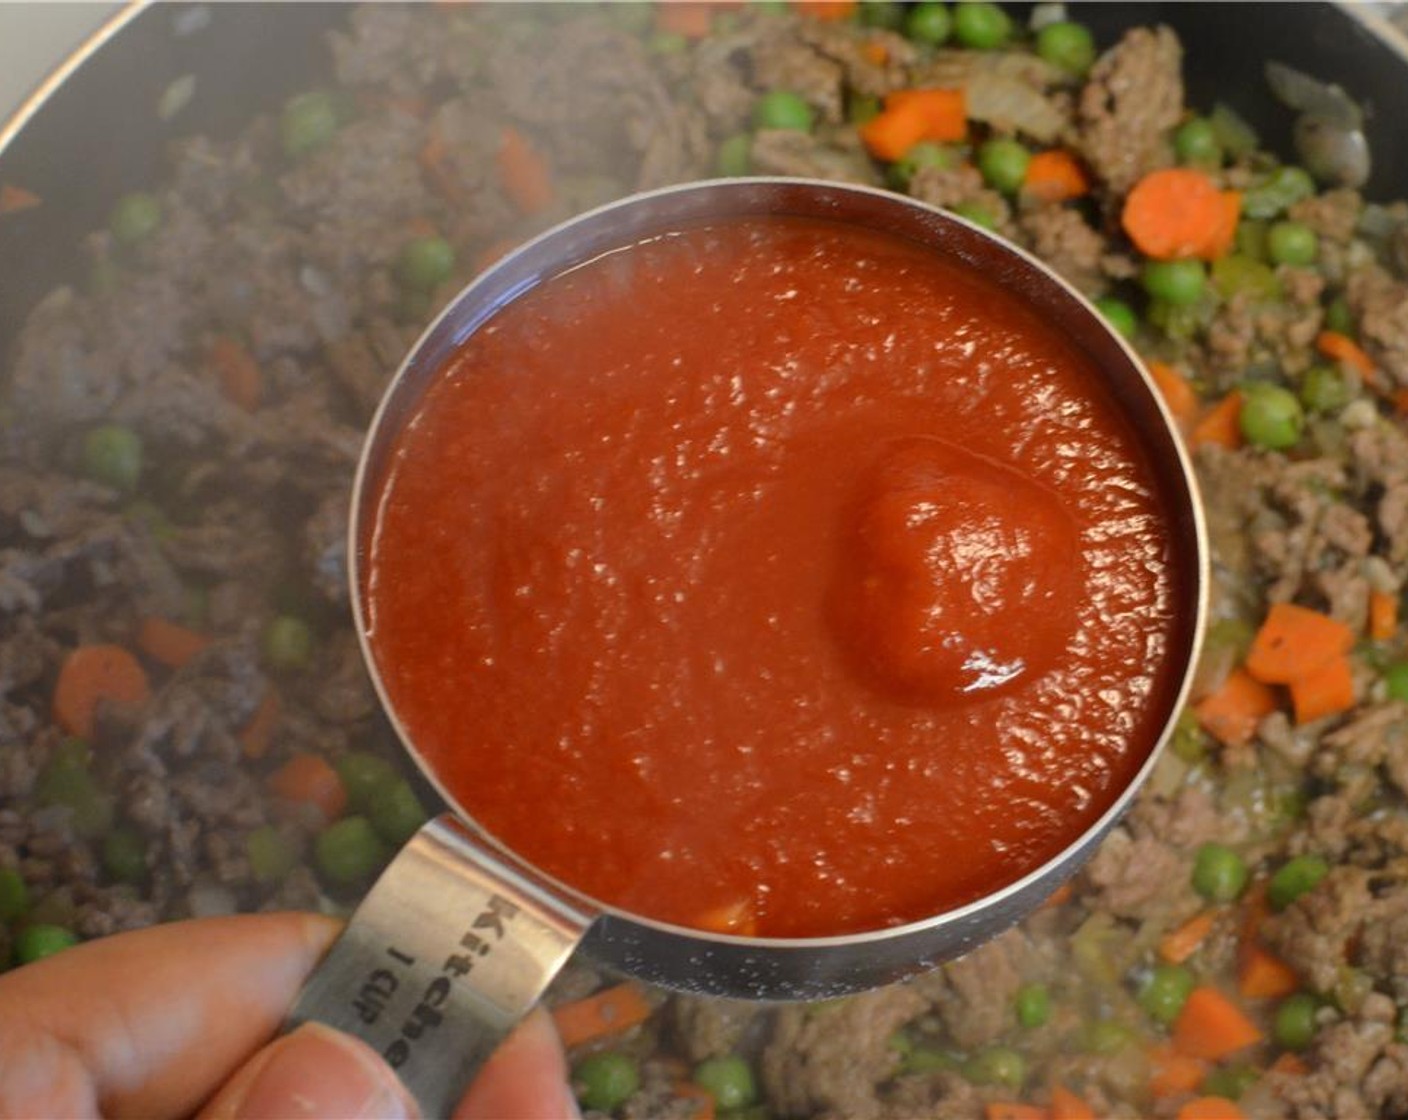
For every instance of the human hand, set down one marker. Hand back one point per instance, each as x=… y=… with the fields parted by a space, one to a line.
x=178 y=1020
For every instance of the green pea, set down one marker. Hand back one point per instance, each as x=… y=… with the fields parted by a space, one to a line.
x=271 y=857
x=1195 y=143
x=884 y=14
x=1190 y=742
x=90 y=809
x=1033 y=1005
x=929 y=23
x=1105 y=1036
x=605 y=1081
x=1325 y=389
x=1165 y=991
x=1396 y=681
x=14 y=895
x=1068 y=46
x=349 y=851
x=781 y=108
x=926 y=153
x=1229 y=1082
x=1271 y=416
x=125 y=855
x=1338 y=317
x=1293 y=1026
x=1281 y=189
x=309 y=121
x=1292 y=243
x=976 y=213
x=34 y=943
x=729 y=1079
x=1295 y=878
x=1003 y=163
x=363 y=774
x=1180 y=322
x=996 y=1065
x=396 y=812
x=425 y=263
x=152 y=518
x=1176 y=283
x=1119 y=315
x=1237 y=273
x=981 y=25
x=1219 y=873
x=735 y=156
x=288 y=643
x=112 y=455
x=135 y=217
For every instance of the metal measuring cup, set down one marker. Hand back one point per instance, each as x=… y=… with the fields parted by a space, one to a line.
x=458 y=938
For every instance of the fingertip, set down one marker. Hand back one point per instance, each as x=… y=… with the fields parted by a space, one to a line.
x=314 y=1073
x=526 y=1079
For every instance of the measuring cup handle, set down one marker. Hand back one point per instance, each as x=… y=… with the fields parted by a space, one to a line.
x=450 y=948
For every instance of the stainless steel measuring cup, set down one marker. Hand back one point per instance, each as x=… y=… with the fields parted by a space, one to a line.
x=459 y=937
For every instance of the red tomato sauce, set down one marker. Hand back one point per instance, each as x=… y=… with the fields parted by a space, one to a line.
x=773 y=577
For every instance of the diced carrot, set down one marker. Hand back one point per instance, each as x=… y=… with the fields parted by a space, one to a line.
x=1255 y=910
x=310 y=780
x=1176 y=390
x=257 y=736
x=1288 y=1063
x=1263 y=975
x=1295 y=641
x=894 y=130
x=684 y=17
x=1014 y=1110
x=1210 y=1108
x=241 y=382
x=1212 y=1027
x=168 y=643
x=1172 y=1074
x=1400 y=402
x=1232 y=713
x=945 y=111
x=831 y=11
x=1221 y=424
x=705 y=1108
x=1342 y=348
x=1182 y=942
x=1055 y=176
x=1383 y=615
x=1060 y=896
x=875 y=53
x=1065 y=1105
x=735 y=917
x=609 y=1012
x=93 y=674
x=1326 y=691
x=523 y=172
x=1175 y=213
x=13 y=199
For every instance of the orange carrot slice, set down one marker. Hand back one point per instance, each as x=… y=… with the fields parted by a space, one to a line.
x=310 y=780
x=1232 y=713
x=1295 y=641
x=1175 y=213
x=241 y=381
x=1182 y=942
x=1055 y=176
x=93 y=674
x=1212 y=1027
x=1383 y=615
x=168 y=643
x=1263 y=975
x=1325 y=691
x=1220 y=425
x=611 y=1011
x=1210 y=1108
x=523 y=172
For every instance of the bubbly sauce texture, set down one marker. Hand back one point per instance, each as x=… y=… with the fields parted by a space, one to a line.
x=773 y=577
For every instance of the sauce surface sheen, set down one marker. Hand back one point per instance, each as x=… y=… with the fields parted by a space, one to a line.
x=773 y=577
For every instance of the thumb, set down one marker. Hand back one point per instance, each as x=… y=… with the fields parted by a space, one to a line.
x=315 y=1073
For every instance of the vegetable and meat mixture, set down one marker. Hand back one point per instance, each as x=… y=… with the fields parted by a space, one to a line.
x=186 y=724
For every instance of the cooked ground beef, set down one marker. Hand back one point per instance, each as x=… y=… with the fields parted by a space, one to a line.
x=246 y=341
